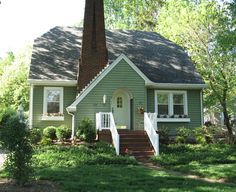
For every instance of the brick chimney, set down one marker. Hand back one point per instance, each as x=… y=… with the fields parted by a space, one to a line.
x=94 y=52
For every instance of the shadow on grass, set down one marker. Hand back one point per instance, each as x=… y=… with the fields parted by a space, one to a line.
x=124 y=178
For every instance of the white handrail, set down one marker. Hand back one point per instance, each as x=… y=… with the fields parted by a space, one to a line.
x=106 y=121
x=149 y=127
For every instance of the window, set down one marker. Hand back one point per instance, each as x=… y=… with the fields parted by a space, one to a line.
x=171 y=104
x=163 y=103
x=178 y=104
x=119 y=102
x=53 y=103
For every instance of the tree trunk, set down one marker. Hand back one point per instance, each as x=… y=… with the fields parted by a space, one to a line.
x=228 y=125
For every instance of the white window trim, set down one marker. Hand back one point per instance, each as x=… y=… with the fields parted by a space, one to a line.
x=170 y=105
x=52 y=118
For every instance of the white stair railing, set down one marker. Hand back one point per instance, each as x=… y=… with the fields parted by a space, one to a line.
x=106 y=121
x=150 y=126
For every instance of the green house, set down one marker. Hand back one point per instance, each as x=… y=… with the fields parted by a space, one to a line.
x=92 y=73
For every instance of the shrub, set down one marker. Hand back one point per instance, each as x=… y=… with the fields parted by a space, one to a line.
x=45 y=141
x=63 y=132
x=15 y=139
x=35 y=135
x=183 y=134
x=164 y=135
x=86 y=130
x=50 y=132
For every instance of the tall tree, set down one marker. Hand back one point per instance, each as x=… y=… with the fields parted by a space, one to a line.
x=207 y=30
x=132 y=14
x=14 y=87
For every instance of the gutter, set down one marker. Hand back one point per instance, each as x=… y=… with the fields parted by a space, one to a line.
x=175 y=85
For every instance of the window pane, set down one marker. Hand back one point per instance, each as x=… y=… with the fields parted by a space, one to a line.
x=178 y=109
x=163 y=109
x=119 y=102
x=162 y=98
x=178 y=99
x=53 y=107
x=53 y=96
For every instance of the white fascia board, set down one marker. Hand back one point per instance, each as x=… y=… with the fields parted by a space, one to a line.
x=71 y=109
x=100 y=77
x=175 y=85
x=53 y=82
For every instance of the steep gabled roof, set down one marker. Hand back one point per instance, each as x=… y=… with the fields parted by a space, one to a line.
x=56 y=55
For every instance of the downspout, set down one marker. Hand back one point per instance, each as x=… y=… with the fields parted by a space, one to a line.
x=201 y=103
x=72 y=124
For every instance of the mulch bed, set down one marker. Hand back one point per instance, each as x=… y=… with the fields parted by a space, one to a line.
x=34 y=186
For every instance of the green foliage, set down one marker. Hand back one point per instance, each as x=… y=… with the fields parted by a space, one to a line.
x=197 y=159
x=15 y=139
x=50 y=132
x=183 y=135
x=207 y=134
x=68 y=165
x=35 y=136
x=86 y=130
x=45 y=141
x=164 y=135
x=14 y=87
x=73 y=156
x=132 y=14
x=62 y=132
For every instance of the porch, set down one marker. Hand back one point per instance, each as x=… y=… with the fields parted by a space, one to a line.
x=139 y=143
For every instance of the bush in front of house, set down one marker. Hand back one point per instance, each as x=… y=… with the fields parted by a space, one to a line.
x=183 y=134
x=45 y=141
x=15 y=139
x=35 y=135
x=62 y=132
x=50 y=132
x=86 y=130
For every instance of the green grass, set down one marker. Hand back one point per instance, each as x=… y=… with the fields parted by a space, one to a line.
x=212 y=161
x=96 y=168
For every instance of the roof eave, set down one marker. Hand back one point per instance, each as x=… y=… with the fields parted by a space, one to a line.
x=175 y=85
x=52 y=82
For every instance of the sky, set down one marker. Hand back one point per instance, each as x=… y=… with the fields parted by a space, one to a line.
x=21 y=21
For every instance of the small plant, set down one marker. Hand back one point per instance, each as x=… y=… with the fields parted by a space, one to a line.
x=50 y=132
x=63 y=132
x=35 y=135
x=164 y=135
x=46 y=141
x=86 y=130
x=183 y=134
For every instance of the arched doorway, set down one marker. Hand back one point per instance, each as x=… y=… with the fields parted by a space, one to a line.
x=120 y=106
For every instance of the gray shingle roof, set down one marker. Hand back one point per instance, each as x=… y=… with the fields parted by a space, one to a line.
x=56 y=55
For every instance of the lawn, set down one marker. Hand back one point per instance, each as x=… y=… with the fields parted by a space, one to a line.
x=96 y=168
x=212 y=161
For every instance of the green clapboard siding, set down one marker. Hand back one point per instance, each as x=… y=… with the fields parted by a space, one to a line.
x=122 y=76
x=69 y=97
x=194 y=110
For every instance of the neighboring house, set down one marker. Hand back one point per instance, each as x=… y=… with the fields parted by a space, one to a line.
x=76 y=73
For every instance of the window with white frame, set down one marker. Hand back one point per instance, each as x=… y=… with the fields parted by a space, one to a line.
x=171 y=103
x=53 y=103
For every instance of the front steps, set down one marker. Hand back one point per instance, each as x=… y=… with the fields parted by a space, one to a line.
x=135 y=143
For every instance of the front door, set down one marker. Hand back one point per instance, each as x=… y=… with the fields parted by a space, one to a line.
x=121 y=109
